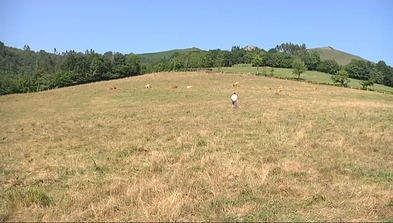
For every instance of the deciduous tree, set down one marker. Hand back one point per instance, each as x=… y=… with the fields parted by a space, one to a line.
x=329 y=66
x=298 y=67
x=256 y=62
x=341 y=77
x=367 y=83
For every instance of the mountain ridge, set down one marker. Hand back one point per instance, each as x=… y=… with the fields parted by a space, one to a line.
x=325 y=52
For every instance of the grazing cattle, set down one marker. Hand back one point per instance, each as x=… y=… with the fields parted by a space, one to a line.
x=236 y=84
x=189 y=86
x=173 y=86
x=315 y=88
x=148 y=86
x=111 y=88
x=279 y=89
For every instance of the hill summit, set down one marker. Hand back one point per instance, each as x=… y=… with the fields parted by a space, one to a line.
x=325 y=48
x=249 y=47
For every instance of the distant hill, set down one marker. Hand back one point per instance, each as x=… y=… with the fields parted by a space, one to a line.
x=340 y=57
x=166 y=54
x=325 y=53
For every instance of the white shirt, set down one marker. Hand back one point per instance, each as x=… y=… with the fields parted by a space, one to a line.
x=234 y=97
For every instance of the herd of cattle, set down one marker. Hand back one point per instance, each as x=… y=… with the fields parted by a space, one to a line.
x=279 y=90
x=236 y=84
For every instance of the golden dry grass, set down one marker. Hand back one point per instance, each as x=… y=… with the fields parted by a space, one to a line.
x=84 y=153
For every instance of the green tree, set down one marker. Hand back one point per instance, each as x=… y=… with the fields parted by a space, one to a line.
x=8 y=85
x=272 y=59
x=205 y=60
x=292 y=49
x=220 y=60
x=26 y=83
x=388 y=78
x=132 y=66
x=360 y=69
x=26 y=47
x=79 y=64
x=272 y=71
x=385 y=73
x=119 y=65
x=311 y=60
x=198 y=59
x=159 y=67
x=97 y=68
x=256 y=62
x=176 y=64
x=44 y=63
x=63 y=79
x=277 y=59
x=341 y=77
x=286 y=61
x=367 y=83
x=264 y=71
x=237 y=55
x=298 y=67
x=329 y=66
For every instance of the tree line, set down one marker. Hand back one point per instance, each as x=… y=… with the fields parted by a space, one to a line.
x=23 y=70
x=286 y=55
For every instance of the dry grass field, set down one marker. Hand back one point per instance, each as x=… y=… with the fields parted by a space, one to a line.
x=86 y=153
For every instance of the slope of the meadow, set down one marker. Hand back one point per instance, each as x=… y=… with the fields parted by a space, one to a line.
x=85 y=153
x=313 y=76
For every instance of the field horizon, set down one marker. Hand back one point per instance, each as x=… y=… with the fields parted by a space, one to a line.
x=86 y=153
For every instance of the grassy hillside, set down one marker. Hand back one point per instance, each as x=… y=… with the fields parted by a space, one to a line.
x=166 y=54
x=313 y=76
x=85 y=153
x=340 y=57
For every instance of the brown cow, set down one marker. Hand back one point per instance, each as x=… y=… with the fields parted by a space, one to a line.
x=112 y=88
x=279 y=89
x=173 y=86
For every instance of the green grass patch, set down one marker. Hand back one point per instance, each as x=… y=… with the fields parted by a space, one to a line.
x=26 y=197
x=308 y=76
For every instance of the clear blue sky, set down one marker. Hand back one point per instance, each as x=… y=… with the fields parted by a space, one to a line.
x=360 y=27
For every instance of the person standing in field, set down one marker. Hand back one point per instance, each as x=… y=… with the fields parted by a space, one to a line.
x=235 y=100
